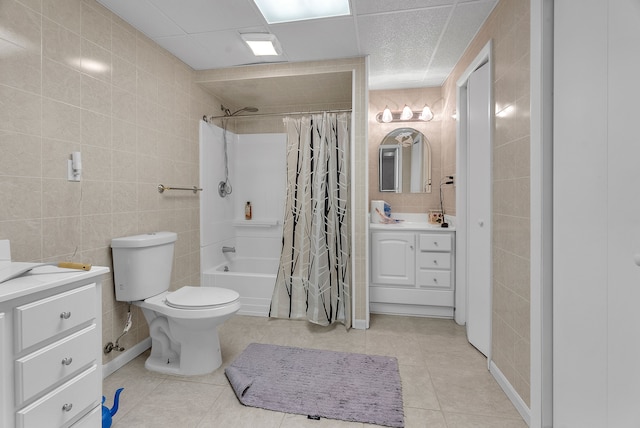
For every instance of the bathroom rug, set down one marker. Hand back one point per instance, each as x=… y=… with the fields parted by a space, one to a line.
x=319 y=384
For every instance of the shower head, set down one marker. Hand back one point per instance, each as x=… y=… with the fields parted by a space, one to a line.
x=247 y=109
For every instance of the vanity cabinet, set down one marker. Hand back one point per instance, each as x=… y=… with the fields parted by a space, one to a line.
x=412 y=272
x=50 y=355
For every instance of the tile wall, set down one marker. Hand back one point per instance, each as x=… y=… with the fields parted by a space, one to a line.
x=75 y=77
x=508 y=27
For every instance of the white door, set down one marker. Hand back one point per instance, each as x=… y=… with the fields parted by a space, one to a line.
x=623 y=214
x=479 y=210
x=596 y=281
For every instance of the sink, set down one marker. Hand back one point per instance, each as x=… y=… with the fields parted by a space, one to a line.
x=409 y=225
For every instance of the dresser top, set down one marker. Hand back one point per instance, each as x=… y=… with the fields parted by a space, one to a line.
x=43 y=278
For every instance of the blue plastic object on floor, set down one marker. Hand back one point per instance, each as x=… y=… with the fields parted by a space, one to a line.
x=107 y=414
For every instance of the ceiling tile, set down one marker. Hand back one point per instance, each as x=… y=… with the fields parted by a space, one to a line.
x=143 y=16
x=364 y=7
x=382 y=36
x=199 y=16
x=461 y=29
x=321 y=39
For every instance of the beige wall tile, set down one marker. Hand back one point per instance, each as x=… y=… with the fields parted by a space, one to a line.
x=64 y=12
x=61 y=198
x=60 y=44
x=508 y=27
x=21 y=154
x=21 y=198
x=20 y=111
x=53 y=104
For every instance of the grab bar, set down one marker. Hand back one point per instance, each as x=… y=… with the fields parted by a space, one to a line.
x=162 y=188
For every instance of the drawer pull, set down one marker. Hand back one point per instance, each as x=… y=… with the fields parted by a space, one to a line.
x=435 y=280
x=435 y=243
x=67 y=361
x=65 y=315
x=67 y=407
x=435 y=262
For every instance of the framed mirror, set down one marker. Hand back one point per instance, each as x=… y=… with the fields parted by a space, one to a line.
x=404 y=162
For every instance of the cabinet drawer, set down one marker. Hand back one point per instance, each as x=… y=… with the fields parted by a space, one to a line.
x=92 y=420
x=64 y=403
x=45 y=318
x=431 y=260
x=41 y=369
x=434 y=278
x=435 y=242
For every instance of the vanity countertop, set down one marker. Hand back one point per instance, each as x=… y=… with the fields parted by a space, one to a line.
x=43 y=278
x=411 y=225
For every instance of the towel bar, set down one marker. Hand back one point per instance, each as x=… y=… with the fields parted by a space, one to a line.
x=162 y=188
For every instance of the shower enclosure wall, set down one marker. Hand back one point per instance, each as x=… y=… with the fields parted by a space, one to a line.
x=257 y=173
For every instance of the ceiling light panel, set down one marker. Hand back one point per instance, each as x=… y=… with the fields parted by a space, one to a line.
x=276 y=11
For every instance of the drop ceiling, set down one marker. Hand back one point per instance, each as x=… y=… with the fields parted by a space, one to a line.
x=410 y=43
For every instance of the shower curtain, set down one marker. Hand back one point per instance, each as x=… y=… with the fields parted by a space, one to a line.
x=314 y=277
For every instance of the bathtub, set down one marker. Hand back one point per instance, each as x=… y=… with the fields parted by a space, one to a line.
x=252 y=278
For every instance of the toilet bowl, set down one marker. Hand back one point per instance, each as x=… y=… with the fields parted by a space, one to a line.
x=183 y=324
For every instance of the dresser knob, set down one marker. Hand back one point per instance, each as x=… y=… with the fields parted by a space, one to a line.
x=435 y=262
x=435 y=243
x=435 y=280
x=67 y=361
x=65 y=315
x=67 y=407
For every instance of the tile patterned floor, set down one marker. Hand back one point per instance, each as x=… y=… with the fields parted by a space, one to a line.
x=445 y=382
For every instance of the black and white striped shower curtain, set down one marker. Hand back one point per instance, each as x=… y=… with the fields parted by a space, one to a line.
x=314 y=277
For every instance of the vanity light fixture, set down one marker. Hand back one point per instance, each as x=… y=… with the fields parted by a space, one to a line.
x=386 y=115
x=262 y=44
x=406 y=115
x=426 y=114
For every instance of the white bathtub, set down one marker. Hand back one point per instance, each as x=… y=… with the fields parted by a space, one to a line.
x=252 y=278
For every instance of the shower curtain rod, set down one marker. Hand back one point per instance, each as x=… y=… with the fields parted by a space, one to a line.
x=207 y=119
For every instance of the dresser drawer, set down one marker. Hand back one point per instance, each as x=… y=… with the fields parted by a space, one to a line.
x=64 y=403
x=434 y=278
x=435 y=242
x=41 y=369
x=45 y=318
x=91 y=420
x=432 y=260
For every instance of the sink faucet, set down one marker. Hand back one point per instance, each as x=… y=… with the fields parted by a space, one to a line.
x=228 y=249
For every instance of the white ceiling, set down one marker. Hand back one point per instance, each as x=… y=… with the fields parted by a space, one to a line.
x=410 y=43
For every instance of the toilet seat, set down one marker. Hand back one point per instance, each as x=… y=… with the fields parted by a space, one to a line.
x=200 y=297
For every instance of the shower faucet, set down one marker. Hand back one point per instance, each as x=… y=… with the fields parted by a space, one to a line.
x=228 y=249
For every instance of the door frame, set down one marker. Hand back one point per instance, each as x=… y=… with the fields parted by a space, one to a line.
x=462 y=168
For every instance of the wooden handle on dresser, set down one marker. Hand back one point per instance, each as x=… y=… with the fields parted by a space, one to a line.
x=71 y=265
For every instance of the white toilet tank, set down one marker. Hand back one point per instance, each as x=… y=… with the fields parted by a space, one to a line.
x=142 y=265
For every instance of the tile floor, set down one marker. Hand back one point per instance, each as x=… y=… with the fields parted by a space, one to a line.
x=445 y=382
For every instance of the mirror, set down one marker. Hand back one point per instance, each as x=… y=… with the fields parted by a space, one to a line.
x=404 y=162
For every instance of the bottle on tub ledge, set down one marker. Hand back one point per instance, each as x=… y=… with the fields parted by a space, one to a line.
x=247 y=211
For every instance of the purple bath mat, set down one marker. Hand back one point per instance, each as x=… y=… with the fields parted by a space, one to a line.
x=326 y=384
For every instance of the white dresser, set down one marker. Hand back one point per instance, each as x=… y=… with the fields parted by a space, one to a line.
x=50 y=349
x=412 y=270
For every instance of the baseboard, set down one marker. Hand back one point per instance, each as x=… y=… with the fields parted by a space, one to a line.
x=520 y=405
x=125 y=357
x=359 y=324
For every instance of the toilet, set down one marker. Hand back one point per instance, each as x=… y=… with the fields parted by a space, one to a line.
x=183 y=324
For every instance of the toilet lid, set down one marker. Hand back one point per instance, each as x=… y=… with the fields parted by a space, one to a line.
x=200 y=297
